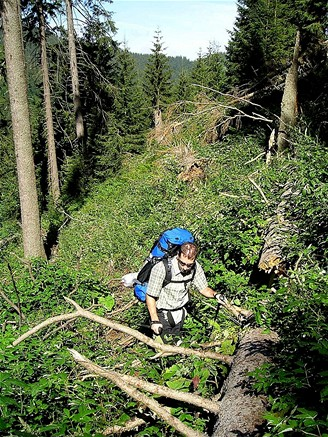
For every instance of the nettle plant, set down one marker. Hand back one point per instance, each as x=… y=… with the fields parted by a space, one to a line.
x=45 y=393
x=42 y=392
x=297 y=383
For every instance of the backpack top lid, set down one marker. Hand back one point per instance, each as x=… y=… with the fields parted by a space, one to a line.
x=171 y=239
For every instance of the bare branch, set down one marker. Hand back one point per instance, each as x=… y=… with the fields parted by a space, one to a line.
x=258 y=187
x=42 y=325
x=59 y=328
x=122 y=328
x=17 y=293
x=236 y=196
x=137 y=395
x=167 y=392
x=5 y=241
x=135 y=422
x=232 y=96
x=254 y=159
x=16 y=308
x=125 y=307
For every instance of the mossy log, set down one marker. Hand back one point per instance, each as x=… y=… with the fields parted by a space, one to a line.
x=241 y=408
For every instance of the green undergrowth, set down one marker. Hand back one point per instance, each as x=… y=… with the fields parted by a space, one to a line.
x=44 y=393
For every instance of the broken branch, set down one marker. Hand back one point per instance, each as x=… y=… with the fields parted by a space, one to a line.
x=167 y=392
x=137 y=395
x=80 y=312
x=15 y=307
x=258 y=187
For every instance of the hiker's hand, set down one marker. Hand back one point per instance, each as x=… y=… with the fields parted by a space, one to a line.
x=156 y=327
x=220 y=298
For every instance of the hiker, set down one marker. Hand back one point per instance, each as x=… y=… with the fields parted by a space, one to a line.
x=166 y=303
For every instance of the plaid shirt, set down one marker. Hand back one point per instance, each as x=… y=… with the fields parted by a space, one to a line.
x=174 y=295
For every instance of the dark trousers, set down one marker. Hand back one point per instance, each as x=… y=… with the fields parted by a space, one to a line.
x=169 y=325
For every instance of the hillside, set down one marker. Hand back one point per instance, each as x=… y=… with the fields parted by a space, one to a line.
x=97 y=163
x=209 y=189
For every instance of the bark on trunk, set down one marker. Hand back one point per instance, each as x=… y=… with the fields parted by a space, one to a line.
x=17 y=86
x=241 y=408
x=289 y=100
x=279 y=230
x=158 y=123
x=52 y=156
x=74 y=73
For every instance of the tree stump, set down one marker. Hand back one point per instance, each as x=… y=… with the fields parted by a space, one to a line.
x=241 y=409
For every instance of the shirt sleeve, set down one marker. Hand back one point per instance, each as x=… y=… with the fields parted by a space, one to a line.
x=156 y=279
x=199 y=281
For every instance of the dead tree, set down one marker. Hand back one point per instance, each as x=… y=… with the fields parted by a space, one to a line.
x=289 y=100
x=52 y=155
x=79 y=122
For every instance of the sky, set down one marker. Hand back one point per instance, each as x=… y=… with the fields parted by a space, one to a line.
x=187 y=27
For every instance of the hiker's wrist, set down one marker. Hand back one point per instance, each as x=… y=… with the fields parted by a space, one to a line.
x=156 y=326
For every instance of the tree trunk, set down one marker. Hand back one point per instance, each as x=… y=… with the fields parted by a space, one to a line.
x=17 y=87
x=158 y=124
x=289 y=100
x=74 y=73
x=279 y=230
x=241 y=408
x=52 y=157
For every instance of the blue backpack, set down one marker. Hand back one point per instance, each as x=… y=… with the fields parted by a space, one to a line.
x=164 y=248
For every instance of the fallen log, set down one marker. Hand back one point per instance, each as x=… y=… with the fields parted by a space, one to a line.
x=241 y=409
x=279 y=230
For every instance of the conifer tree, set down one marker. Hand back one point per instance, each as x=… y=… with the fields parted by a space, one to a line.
x=209 y=72
x=129 y=106
x=262 y=41
x=17 y=87
x=52 y=155
x=261 y=47
x=198 y=73
x=79 y=122
x=157 y=81
x=98 y=60
x=183 y=92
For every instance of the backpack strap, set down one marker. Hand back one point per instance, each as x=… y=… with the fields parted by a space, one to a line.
x=168 y=270
x=168 y=275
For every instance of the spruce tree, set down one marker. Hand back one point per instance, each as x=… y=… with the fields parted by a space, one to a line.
x=262 y=42
x=199 y=71
x=209 y=72
x=129 y=105
x=260 y=52
x=157 y=79
x=183 y=92
x=21 y=126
